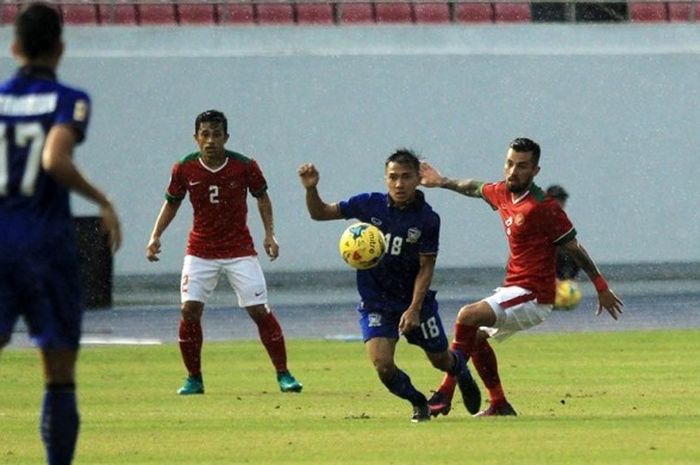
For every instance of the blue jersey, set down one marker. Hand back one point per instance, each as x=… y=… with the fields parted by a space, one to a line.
x=33 y=206
x=410 y=232
x=39 y=275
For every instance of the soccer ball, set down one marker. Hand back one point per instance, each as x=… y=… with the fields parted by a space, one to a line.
x=362 y=246
x=568 y=295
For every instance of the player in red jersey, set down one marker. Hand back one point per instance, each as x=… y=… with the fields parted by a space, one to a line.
x=535 y=226
x=218 y=181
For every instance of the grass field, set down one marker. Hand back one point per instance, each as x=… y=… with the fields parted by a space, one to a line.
x=592 y=398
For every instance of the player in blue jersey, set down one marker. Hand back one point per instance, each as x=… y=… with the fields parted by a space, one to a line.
x=41 y=121
x=395 y=295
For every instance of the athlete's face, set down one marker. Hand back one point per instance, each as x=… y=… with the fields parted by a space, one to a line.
x=520 y=170
x=401 y=181
x=211 y=139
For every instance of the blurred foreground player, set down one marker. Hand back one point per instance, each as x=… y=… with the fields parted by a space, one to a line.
x=218 y=181
x=41 y=122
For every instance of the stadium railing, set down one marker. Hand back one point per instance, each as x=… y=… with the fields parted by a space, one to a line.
x=354 y=12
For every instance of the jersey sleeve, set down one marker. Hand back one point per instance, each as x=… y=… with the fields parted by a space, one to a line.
x=177 y=187
x=430 y=239
x=489 y=193
x=257 y=185
x=74 y=110
x=354 y=207
x=559 y=226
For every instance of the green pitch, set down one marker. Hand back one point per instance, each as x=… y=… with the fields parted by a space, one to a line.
x=602 y=398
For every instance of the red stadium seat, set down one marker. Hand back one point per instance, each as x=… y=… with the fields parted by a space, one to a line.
x=157 y=13
x=236 y=13
x=196 y=13
x=274 y=13
x=432 y=12
x=511 y=12
x=79 y=13
x=394 y=12
x=473 y=13
x=315 y=13
x=678 y=11
x=356 y=12
x=122 y=14
x=647 y=12
x=8 y=13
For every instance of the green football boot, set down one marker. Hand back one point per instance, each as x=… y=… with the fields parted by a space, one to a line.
x=288 y=383
x=192 y=386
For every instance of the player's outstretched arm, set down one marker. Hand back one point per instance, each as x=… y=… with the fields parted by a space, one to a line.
x=165 y=217
x=431 y=177
x=606 y=297
x=272 y=248
x=57 y=161
x=318 y=209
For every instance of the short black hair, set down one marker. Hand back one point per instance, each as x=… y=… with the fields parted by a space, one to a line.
x=523 y=144
x=404 y=156
x=211 y=116
x=557 y=192
x=38 y=30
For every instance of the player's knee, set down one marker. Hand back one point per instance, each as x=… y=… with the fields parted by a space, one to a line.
x=385 y=367
x=465 y=316
x=442 y=362
x=258 y=312
x=191 y=312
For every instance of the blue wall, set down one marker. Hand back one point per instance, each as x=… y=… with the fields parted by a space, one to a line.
x=615 y=108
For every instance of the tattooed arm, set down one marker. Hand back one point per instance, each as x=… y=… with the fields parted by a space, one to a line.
x=430 y=177
x=606 y=297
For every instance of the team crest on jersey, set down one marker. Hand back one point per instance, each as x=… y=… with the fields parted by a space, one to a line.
x=374 y=320
x=375 y=221
x=519 y=219
x=80 y=110
x=412 y=235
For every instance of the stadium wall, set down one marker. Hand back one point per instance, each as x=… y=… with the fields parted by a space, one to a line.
x=615 y=108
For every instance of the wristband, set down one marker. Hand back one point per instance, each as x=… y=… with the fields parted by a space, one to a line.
x=600 y=283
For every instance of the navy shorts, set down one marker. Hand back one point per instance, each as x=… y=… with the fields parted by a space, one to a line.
x=378 y=321
x=45 y=290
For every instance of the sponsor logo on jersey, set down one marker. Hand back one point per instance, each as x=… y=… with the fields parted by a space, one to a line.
x=375 y=221
x=412 y=235
x=194 y=183
x=28 y=105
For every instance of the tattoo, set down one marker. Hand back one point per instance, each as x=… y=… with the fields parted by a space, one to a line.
x=468 y=187
x=583 y=260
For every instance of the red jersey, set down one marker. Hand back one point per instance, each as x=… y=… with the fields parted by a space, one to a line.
x=535 y=225
x=218 y=197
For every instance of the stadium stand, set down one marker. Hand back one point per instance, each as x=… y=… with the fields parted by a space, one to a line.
x=351 y=12
x=315 y=13
x=647 y=12
x=121 y=14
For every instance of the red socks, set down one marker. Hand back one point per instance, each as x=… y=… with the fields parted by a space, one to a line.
x=484 y=360
x=190 y=339
x=463 y=342
x=273 y=339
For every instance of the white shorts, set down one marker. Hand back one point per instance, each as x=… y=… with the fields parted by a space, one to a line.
x=516 y=309
x=201 y=275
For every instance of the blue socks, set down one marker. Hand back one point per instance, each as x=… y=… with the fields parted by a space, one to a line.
x=59 y=423
x=400 y=385
x=460 y=363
